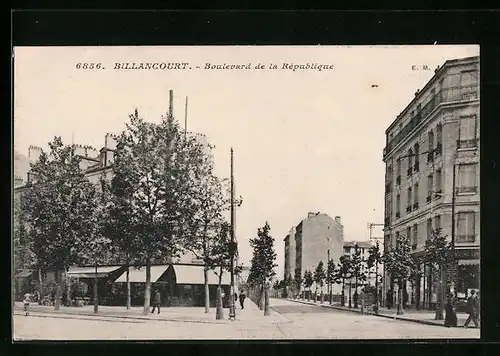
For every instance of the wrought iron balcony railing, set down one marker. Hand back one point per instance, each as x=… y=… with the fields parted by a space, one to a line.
x=467 y=143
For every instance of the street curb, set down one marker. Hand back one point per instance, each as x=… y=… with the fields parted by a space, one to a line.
x=426 y=322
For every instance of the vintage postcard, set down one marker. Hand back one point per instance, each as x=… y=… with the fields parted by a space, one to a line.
x=246 y=192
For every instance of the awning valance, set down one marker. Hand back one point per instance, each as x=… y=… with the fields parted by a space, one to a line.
x=193 y=274
x=138 y=274
x=89 y=272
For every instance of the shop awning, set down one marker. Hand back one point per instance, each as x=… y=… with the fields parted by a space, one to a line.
x=193 y=274
x=468 y=262
x=138 y=274
x=89 y=272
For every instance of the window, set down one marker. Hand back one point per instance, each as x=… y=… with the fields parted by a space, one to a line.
x=415 y=237
x=408 y=233
x=439 y=139
x=396 y=238
x=438 y=181
x=415 y=197
x=468 y=132
x=398 y=167
x=430 y=140
x=408 y=208
x=410 y=161
x=398 y=206
x=430 y=187
x=437 y=222
x=417 y=151
x=467 y=178
x=429 y=228
x=466 y=227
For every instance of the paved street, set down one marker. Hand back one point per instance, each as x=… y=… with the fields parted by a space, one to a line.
x=295 y=321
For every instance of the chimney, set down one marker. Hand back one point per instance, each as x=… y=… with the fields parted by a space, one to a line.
x=311 y=214
x=171 y=103
x=337 y=220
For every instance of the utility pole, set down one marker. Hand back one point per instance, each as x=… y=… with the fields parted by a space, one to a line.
x=232 y=309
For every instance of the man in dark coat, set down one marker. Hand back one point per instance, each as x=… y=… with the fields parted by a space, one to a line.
x=156 y=301
x=450 y=319
x=472 y=309
x=242 y=299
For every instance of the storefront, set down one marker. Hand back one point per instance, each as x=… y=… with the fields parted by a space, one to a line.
x=468 y=271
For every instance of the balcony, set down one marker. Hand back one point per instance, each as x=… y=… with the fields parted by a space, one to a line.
x=409 y=171
x=439 y=149
x=466 y=190
x=415 y=206
x=428 y=198
x=448 y=95
x=413 y=247
x=387 y=221
x=398 y=215
x=416 y=166
x=430 y=157
x=388 y=187
x=398 y=180
x=467 y=143
x=438 y=194
x=408 y=209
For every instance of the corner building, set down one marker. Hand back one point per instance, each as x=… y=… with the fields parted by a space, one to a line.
x=435 y=136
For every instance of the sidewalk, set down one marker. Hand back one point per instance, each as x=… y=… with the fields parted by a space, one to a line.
x=251 y=313
x=417 y=316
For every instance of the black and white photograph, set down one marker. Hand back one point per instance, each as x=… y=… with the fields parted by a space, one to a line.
x=246 y=192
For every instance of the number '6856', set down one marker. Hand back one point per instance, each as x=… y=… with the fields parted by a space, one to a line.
x=89 y=66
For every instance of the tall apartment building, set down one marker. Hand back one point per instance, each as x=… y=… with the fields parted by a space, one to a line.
x=316 y=238
x=364 y=248
x=434 y=139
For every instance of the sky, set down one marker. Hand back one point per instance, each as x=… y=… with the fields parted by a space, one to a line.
x=303 y=140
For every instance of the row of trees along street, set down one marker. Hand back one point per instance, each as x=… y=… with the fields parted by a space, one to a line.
x=400 y=263
x=161 y=198
x=262 y=267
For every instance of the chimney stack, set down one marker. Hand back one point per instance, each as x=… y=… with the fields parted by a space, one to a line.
x=337 y=220
x=171 y=103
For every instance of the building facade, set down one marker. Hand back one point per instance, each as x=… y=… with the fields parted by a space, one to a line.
x=316 y=238
x=432 y=168
x=364 y=248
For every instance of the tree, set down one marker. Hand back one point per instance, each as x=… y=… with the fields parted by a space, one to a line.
x=147 y=173
x=263 y=260
x=343 y=272
x=374 y=259
x=399 y=263
x=358 y=271
x=220 y=260
x=330 y=277
x=308 y=282
x=57 y=208
x=297 y=279
x=319 y=278
x=438 y=250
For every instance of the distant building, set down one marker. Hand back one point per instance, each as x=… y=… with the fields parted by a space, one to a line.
x=364 y=248
x=434 y=138
x=316 y=238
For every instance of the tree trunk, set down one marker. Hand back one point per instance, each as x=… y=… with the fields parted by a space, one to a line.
x=207 y=290
x=400 y=310
x=68 y=290
x=266 y=301
x=219 y=311
x=57 y=298
x=261 y=298
x=147 y=290
x=127 y=274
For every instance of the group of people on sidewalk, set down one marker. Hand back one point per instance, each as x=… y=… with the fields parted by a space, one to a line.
x=157 y=300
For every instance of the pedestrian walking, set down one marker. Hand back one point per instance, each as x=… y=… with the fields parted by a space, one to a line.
x=472 y=309
x=156 y=301
x=450 y=319
x=26 y=303
x=242 y=299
